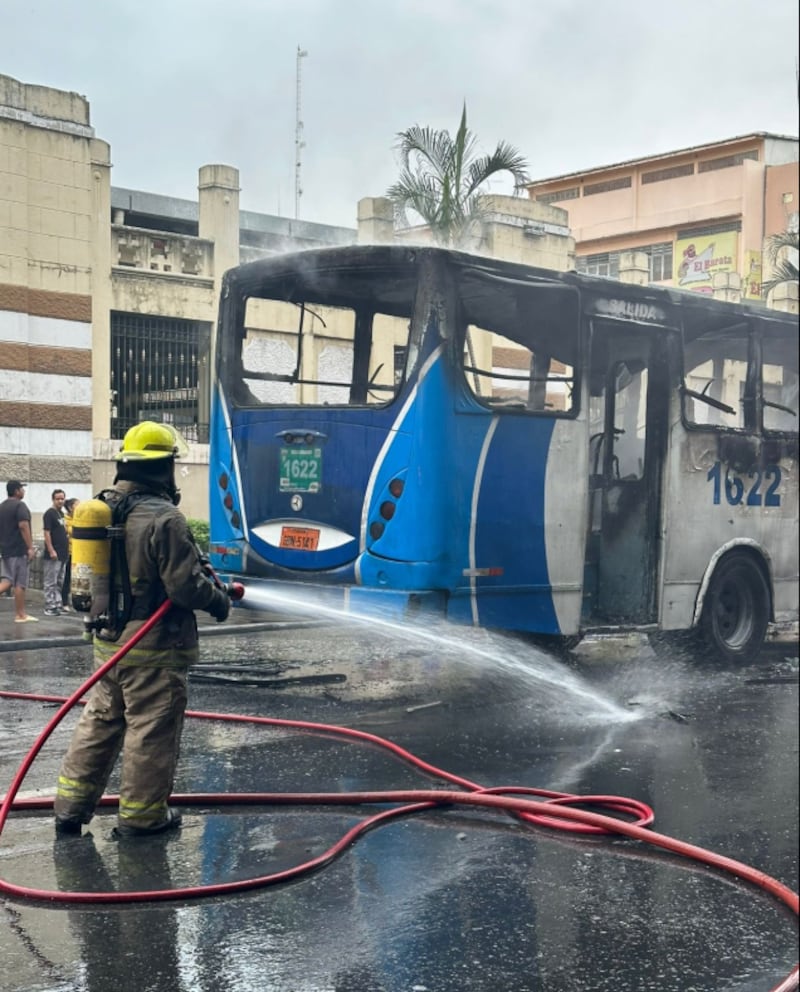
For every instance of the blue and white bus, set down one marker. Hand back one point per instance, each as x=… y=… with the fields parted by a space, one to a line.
x=412 y=428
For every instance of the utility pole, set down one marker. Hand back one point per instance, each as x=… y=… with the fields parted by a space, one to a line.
x=299 y=144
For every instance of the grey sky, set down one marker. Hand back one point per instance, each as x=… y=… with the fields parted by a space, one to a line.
x=571 y=83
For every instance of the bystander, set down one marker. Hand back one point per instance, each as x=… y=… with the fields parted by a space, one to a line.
x=56 y=545
x=16 y=547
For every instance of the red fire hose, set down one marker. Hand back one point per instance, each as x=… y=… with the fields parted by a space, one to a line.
x=538 y=807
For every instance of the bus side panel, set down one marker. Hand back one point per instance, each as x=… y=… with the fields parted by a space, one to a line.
x=709 y=504
x=424 y=545
x=508 y=583
x=225 y=527
x=565 y=519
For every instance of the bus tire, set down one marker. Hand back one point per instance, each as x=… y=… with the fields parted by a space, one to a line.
x=736 y=609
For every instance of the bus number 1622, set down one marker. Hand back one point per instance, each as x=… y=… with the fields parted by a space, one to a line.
x=760 y=489
x=300 y=470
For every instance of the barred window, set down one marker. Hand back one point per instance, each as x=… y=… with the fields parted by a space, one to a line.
x=660 y=257
x=159 y=371
x=605 y=264
x=673 y=172
x=591 y=189
x=727 y=161
x=709 y=229
x=558 y=195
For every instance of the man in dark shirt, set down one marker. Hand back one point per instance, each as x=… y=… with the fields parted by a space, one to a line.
x=56 y=546
x=16 y=547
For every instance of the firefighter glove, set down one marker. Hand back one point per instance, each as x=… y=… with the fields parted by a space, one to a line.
x=220 y=605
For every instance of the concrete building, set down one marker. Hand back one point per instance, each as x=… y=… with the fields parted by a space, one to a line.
x=697 y=214
x=53 y=206
x=107 y=298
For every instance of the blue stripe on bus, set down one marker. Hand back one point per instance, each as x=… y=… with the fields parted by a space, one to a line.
x=511 y=530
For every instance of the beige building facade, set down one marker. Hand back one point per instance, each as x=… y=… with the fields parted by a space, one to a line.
x=697 y=213
x=108 y=299
x=54 y=176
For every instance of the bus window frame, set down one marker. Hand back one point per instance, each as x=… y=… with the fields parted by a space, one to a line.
x=764 y=328
x=363 y=318
x=460 y=337
x=751 y=399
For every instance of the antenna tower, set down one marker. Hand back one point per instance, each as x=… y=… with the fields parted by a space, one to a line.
x=299 y=144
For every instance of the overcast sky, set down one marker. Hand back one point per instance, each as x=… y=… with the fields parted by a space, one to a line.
x=571 y=83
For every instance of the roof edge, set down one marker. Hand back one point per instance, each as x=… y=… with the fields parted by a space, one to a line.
x=627 y=163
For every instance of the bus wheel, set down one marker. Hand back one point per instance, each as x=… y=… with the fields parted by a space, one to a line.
x=736 y=609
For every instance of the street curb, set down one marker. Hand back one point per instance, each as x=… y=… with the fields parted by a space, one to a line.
x=34 y=643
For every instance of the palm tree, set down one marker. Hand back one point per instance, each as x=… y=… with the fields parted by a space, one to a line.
x=441 y=178
x=782 y=251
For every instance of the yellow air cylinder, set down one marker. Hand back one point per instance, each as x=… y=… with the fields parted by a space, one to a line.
x=91 y=557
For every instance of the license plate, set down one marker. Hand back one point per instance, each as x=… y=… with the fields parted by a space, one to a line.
x=300 y=538
x=301 y=470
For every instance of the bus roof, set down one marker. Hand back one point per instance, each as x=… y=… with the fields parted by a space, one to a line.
x=320 y=269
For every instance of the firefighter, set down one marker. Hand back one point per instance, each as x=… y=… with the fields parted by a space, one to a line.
x=138 y=705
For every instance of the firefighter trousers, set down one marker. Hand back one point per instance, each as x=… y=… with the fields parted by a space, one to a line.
x=138 y=710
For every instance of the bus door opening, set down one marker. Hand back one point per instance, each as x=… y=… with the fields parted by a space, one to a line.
x=624 y=467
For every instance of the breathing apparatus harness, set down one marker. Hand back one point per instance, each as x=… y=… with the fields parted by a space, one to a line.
x=100 y=580
x=101 y=585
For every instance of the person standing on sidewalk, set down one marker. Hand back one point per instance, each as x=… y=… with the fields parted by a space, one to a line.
x=56 y=547
x=16 y=547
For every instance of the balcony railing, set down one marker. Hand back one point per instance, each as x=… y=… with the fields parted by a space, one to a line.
x=162 y=252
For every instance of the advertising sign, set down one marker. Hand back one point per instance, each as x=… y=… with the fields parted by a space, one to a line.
x=751 y=278
x=697 y=259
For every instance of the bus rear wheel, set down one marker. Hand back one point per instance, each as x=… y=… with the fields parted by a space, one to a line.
x=736 y=609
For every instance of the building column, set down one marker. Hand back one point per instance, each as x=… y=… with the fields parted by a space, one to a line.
x=101 y=289
x=218 y=207
x=727 y=286
x=218 y=210
x=375 y=221
x=634 y=268
x=783 y=297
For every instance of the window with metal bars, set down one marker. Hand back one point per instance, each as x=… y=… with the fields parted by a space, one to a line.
x=660 y=257
x=159 y=371
x=709 y=229
x=672 y=172
x=607 y=186
x=604 y=264
x=557 y=196
x=727 y=161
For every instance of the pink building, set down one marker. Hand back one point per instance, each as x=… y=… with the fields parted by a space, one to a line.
x=693 y=212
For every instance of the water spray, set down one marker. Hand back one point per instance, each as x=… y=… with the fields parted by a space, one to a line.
x=495 y=650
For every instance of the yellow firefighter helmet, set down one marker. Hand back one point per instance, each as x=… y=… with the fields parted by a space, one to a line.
x=150 y=440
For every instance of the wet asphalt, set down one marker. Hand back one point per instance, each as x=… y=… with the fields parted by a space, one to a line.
x=441 y=901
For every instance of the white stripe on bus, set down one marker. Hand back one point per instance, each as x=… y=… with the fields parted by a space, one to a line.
x=362 y=543
x=473 y=515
